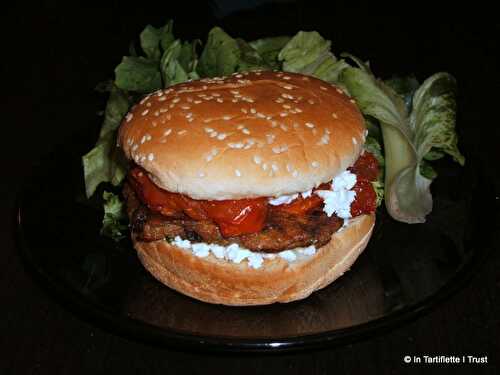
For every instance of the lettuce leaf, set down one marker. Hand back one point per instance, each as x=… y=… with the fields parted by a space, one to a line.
x=104 y=163
x=224 y=55
x=309 y=53
x=220 y=56
x=269 y=49
x=408 y=136
x=114 y=220
x=138 y=74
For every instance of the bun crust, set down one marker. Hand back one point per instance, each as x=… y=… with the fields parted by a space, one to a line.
x=247 y=135
x=218 y=281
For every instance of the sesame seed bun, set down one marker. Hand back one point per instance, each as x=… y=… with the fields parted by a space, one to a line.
x=219 y=281
x=244 y=136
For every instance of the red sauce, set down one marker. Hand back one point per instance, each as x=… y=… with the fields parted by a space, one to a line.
x=243 y=216
x=366 y=167
x=234 y=217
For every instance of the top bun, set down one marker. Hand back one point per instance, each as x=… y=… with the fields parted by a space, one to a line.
x=244 y=136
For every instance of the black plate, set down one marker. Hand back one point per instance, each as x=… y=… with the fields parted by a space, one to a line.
x=405 y=270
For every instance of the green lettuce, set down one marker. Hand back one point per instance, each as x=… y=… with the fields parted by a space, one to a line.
x=269 y=49
x=309 y=53
x=224 y=55
x=105 y=163
x=114 y=220
x=409 y=134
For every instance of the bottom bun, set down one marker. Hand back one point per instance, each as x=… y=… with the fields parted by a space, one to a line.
x=219 y=281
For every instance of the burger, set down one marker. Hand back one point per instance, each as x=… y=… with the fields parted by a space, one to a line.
x=249 y=189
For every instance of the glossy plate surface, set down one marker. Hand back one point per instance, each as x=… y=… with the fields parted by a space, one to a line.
x=405 y=270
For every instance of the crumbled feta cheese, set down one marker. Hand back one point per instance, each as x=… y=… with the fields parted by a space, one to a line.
x=338 y=200
x=288 y=255
x=283 y=199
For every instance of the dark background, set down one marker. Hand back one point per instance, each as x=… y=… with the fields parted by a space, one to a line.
x=53 y=56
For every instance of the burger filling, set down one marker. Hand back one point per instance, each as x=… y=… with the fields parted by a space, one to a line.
x=261 y=224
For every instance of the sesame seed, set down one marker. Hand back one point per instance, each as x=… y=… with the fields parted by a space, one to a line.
x=185 y=107
x=288 y=87
x=220 y=100
x=315 y=164
x=159 y=93
x=162 y=98
x=334 y=115
x=305 y=78
x=215 y=94
x=310 y=101
x=286 y=106
x=286 y=77
x=226 y=118
x=221 y=136
x=238 y=76
x=236 y=145
x=145 y=112
x=352 y=101
x=181 y=132
x=283 y=114
x=143 y=139
x=167 y=132
x=245 y=131
x=143 y=100
x=129 y=117
x=176 y=100
x=163 y=110
x=250 y=100
x=253 y=110
x=148 y=104
x=235 y=92
x=257 y=159
x=298 y=110
x=279 y=100
x=209 y=157
x=213 y=134
x=270 y=138
x=340 y=91
x=151 y=157
x=354 y=141
x=261 y=115
x=190 y=119
x=283 y=127
x=323 y=88
x=239 y=127
x=207 y=120
x=276 y=149
x=188 y=115
x=244 y=110
x=237 y=172
x=209 y=130
x=197 y=101
x=274 y=124
x=310 y=125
